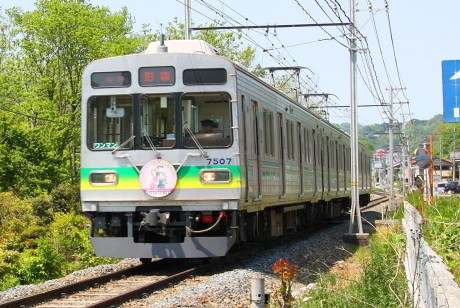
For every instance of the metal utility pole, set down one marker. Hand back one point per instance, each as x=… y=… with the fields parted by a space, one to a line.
x=355 y=208
x=391 y=152
x=391 y=147
x=188 y=31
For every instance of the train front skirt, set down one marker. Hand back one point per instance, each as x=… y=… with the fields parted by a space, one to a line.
x=191 y=247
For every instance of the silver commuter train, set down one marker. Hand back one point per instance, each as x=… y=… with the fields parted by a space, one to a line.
x=184 y=153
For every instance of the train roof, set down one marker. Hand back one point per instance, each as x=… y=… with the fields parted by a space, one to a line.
x=182 y=46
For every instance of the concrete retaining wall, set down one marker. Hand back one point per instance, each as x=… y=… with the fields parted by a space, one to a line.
x=430 y=282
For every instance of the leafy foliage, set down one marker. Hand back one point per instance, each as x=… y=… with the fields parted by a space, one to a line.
x=15 y=217
x=65 y=199
x=61 y=248
x=43 y=264
x=26 y=167
x=41 y=81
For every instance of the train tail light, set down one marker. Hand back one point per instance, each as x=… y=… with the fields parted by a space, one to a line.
x=207 y=218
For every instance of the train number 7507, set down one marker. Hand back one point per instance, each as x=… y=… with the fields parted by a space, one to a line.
x=219 y=161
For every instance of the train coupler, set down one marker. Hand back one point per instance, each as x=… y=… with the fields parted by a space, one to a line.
x=155 y=218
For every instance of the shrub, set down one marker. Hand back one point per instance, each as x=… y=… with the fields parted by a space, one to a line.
x=46 y=263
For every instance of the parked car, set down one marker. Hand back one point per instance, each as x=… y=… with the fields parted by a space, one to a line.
x=440 y=187
x=452 y=187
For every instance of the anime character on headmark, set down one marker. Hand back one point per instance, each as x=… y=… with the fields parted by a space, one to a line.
x=159 y=178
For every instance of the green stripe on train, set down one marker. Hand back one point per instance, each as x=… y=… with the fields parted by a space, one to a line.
x=188 y=177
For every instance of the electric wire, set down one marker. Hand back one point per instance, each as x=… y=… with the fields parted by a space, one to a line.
x=281 y=59
x=280 y=48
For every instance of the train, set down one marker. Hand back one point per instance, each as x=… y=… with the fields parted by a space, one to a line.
x=186 y=154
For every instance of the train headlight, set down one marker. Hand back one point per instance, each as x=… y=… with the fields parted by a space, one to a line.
x=215 y=176
x=103 y=178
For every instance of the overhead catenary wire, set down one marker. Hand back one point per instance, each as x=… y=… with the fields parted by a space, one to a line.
x=280 y=52
x=281 y=59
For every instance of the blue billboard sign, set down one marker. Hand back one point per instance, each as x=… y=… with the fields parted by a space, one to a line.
x=451 y=90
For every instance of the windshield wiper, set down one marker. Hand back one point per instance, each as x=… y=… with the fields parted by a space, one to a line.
x=152 y=146
x=200 y=148
x=123 y=144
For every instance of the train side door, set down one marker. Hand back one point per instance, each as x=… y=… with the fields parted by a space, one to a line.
x=256 y=152
x=251 y=153
x=315 y=161
x=321 y=163
x=246 y=145
x=327 y=165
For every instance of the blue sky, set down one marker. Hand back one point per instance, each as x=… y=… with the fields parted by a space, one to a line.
x=424 y=34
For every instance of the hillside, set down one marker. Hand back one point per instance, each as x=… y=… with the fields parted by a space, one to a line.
x=418 y=131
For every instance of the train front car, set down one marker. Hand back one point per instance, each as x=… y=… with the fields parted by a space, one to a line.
x=160 y=170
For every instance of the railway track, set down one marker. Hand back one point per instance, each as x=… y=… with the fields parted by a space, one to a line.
x=111 y=289
x=379 y=200
x=114 y=289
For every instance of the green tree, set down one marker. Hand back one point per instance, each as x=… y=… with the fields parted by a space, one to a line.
x=27 y=169
x=63 y=199
x=55 y=42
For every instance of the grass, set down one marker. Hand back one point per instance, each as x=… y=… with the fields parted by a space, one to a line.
x=441 y=229
x=373 y=277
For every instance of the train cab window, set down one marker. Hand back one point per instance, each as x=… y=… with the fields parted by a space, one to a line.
x=158 y=118
x=110 y=122
x=206 y=120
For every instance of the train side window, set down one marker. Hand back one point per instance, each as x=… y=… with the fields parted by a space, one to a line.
x=307 y=145
x=110 y=122
x=158 y=121
x=269 y=133
x=290 y=139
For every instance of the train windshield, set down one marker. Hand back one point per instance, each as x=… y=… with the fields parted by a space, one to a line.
x=207 y=118
x=158 y=120
x=110 y=122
